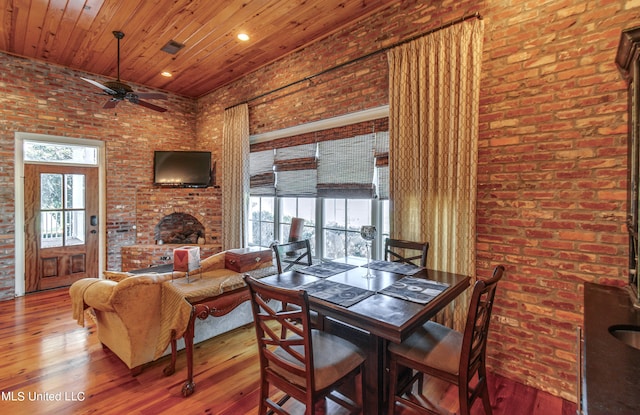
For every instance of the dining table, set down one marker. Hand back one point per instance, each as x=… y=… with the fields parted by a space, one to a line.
x=371 y=312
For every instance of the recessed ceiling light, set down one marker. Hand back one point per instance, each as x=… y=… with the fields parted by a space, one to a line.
x=166 y=74
x=243 y=36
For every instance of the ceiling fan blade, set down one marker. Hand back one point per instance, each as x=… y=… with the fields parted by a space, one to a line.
x=149 y=105
x=111 y=103
x=99 y=85
x=151 y=95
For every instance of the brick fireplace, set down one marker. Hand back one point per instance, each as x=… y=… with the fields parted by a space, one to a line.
x=176 y=217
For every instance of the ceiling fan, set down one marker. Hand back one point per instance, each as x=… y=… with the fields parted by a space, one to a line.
x=120 y=91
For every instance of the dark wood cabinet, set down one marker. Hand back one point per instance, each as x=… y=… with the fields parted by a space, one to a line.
x=628 y=61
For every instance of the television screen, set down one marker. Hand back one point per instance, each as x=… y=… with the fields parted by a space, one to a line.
x=182 y=168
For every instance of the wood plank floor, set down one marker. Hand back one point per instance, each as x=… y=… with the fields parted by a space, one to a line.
x=51 y=365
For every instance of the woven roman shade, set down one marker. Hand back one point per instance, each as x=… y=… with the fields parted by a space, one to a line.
x=296 y=171
x=345 y=167
x=263 y=179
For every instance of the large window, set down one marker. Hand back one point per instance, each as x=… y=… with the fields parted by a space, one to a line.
x=331 y=224
x=334 y=175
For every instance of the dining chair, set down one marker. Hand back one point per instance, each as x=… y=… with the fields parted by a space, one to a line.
x=395 y=251
x=446 y=354
x=303 y=363
x=292 y=255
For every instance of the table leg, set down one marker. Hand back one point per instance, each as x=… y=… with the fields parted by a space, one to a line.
x=171 y=369
x=189 y=386
x=374 y=367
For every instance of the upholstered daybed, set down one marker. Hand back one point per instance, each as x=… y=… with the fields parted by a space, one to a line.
x=138 y=316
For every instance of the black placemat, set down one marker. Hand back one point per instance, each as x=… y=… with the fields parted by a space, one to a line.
x=418 y=290
x=336 y=293
x=395 y=267
x=326 y=269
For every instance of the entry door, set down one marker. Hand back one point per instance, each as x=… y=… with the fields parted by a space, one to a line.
x=61 y=225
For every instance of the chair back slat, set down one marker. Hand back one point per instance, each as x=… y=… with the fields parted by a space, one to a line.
x=476 y=331
x=292 y=254
x=395 y=250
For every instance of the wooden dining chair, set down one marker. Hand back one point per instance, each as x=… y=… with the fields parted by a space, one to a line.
x=303 y=363
x=446 y=354
x=292 y=255
x=395 y=251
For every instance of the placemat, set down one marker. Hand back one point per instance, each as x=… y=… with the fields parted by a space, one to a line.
x=326 y=269
x=414 y=289
x=337 y=293
x=395 y=267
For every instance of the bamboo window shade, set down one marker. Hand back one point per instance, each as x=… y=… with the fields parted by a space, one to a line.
x=296 y=173
x=345 y=168
x=262 y=176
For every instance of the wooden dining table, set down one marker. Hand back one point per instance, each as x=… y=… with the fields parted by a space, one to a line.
x=375 y=320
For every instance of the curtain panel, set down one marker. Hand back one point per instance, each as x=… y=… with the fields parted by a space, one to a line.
x=235 y=178
x=433 y=126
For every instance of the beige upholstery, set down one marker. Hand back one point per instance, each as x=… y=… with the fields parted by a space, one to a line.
x=136 y=315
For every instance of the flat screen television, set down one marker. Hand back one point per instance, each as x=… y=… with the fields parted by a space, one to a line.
x=182 y=168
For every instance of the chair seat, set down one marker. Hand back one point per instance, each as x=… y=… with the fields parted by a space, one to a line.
x=432 y=345
x=333 y=357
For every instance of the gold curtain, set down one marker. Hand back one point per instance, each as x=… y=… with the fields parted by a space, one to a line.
x=434 y=85
x=235 y=176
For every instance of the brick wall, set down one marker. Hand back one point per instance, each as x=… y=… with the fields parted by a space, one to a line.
x=552 y=173
x=154 y=203
x=46 y=99
x=552 y=164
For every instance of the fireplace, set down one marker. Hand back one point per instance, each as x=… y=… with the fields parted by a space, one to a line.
x=179 y=228
x=177 y=217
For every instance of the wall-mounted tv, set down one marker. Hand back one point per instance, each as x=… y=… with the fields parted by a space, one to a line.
x=182 y=168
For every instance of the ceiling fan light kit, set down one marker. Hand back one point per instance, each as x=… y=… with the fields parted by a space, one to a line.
x=119 y=91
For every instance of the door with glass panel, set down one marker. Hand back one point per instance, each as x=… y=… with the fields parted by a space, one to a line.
x=61 y=225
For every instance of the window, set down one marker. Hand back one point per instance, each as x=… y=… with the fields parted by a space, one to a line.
x=335 y=177
x=336 y=231
x=60 y=153
x=261 y=221
x=304 y=208
x=342 y=219
x=62 y=210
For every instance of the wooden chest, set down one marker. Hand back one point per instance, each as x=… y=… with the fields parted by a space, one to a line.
x=247 y=259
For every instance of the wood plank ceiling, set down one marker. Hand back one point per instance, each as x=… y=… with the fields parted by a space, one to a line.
x=78 y=34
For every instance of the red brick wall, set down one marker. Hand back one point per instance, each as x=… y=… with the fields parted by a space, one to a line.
x=154 y=203
x=552 y=164
x=551 y=198
x=44 y=99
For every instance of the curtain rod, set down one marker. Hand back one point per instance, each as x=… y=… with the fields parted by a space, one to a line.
x=368 y=55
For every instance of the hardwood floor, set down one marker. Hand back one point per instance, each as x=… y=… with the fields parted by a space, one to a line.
x=51 y=365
